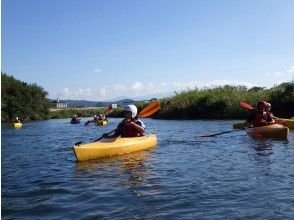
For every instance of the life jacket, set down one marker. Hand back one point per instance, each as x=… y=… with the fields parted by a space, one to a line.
x=127 y=130
x=270 y=117
x=258 y=118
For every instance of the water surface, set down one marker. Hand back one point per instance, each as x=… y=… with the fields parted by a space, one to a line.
x=231 y=176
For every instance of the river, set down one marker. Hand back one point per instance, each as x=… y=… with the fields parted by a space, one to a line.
x=230 y=176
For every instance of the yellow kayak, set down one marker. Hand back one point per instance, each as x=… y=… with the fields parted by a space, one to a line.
x=102 y=123
x=113 y=146
x=17 y=125
x=288 y=122
x=275 y=131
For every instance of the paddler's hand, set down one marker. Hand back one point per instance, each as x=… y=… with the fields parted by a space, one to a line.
x=127 y=121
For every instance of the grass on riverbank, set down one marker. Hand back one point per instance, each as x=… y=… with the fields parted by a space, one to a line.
x=223 y=102
x=216 y=103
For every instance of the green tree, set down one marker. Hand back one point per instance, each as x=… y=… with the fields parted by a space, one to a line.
x=27 y=101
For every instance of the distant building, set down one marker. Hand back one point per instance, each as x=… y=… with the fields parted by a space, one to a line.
x=59 y=104
x=113 y=105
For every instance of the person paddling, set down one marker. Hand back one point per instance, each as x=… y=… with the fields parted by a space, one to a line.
x=131 y=126
x=75 y=119
x=258 y=117
x=101 y=117
x=17 y=120
x=98 y=119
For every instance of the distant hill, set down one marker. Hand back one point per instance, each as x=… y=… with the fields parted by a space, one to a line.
x=85 y=103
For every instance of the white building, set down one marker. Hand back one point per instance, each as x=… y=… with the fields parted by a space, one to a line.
x=59 y=104
x=113 y=105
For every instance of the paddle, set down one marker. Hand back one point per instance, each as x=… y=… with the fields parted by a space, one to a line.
x=145 y=112
x=149 y=110
x=224 y=132
x=246 y=106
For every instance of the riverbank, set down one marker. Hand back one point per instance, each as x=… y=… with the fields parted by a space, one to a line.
x=209 y=103
x=216 y=103
x=223 y=102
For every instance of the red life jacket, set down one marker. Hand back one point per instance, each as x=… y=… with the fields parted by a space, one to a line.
x=130 y=131
x=258 y=117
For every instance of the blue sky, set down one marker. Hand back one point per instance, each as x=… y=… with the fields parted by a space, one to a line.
x=100 y=50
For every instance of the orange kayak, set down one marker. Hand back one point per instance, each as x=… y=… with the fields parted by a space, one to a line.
x=275 y=131
x=282 y=121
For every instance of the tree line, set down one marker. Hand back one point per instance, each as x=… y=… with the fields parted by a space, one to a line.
x=28 y=102
x=23 y=100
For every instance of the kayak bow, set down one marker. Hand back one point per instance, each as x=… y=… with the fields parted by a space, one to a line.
x=17 y=125
x=102 y=123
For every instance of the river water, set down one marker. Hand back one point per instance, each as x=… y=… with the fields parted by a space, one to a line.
x=230 y=176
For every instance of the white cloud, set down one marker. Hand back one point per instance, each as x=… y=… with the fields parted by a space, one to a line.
x=138 y=89
x=97 y=70
x=103 y=92
x=75 y=94
x=119 y=88
x=290 y=71
x=287 y=74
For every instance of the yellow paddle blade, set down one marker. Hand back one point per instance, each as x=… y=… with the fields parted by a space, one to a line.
x=150 y=109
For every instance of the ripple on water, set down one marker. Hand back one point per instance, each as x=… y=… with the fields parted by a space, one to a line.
x=230 y=176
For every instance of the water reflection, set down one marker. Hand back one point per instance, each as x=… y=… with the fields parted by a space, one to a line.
x=263 y=148
x=131 y=167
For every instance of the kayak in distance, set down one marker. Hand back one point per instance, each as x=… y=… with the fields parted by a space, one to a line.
x=275 y=131
x=75 y=122
x=108 y=147
x=17 y=125
x=102 y=123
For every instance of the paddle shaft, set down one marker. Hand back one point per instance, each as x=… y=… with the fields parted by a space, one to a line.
x=105 y=135
x=224 y=132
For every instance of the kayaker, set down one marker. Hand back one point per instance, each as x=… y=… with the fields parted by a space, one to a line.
x=101 y=117
x=17 y=120
x=131 y=126
x=75 y=119
x=258 y=117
